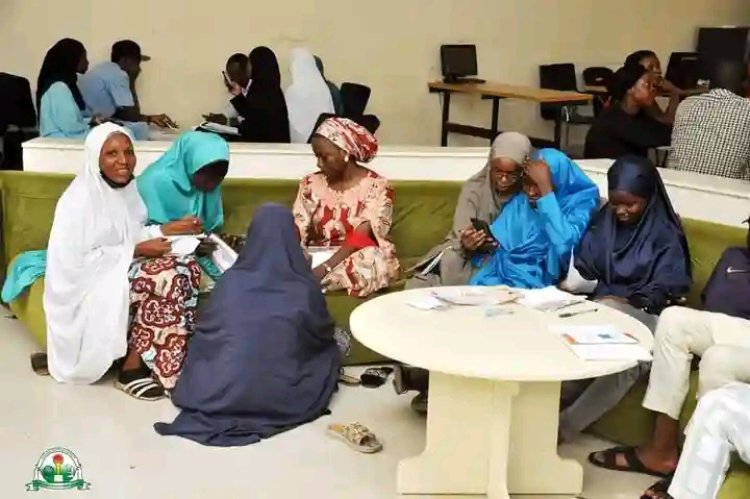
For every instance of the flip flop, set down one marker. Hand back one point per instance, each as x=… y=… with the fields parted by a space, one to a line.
x=375 y=376
x=634 y=465
x=348 y=380
x=356 y=436
x=660 y=488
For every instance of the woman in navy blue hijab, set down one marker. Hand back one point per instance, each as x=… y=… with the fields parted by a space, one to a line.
x=636 y=250
x=635 y=247
x=263 y=358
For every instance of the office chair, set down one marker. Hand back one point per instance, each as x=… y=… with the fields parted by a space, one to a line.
x=17 y=118
x=355 y=98
x=561 y=77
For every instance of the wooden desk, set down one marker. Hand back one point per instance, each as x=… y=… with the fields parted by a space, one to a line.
x=602 y=90
x=495 y=92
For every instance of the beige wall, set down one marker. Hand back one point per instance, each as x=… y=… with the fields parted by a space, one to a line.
x=391 y=45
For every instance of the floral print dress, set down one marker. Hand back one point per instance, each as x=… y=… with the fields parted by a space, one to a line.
x=163 y=302
x=326 y=217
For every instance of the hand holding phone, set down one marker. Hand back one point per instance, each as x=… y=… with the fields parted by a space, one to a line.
x=479 y=237
x=227 y=81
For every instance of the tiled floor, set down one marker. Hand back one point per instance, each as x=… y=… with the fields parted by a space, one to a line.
x=123 y=457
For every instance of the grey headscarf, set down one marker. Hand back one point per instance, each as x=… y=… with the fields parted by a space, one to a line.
x=478 y=199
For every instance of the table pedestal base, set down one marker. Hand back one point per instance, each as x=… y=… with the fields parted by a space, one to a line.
x=490 y=437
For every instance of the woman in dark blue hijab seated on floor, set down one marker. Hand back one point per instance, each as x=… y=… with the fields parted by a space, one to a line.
x=263 y=359
x=636 y=251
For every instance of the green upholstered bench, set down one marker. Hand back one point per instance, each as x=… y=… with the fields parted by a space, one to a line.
x=423 y=215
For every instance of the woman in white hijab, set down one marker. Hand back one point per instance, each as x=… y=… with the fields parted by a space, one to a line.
x=307 y=97
x=98 y=237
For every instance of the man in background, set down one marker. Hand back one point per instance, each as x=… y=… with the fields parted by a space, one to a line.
x=109 y=90
x=711 y=133
x=238 y=71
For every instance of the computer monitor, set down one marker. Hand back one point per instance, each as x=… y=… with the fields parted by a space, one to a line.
x=685 y=69
x=458 y=61
x=723 y=43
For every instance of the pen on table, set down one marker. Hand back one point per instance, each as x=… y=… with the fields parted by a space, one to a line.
x=573 y=314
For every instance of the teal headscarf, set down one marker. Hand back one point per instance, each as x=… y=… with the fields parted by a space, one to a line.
x=166 y=186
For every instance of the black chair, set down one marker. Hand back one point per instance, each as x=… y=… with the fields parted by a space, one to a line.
x=597 y=76
x=17 y=118
x=561 y=77
x=355 y=98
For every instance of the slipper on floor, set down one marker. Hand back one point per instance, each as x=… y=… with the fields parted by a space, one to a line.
x=375 y=376
x=634 y=465
x=139 y=384
x=659 y=490
x=39 y=363
x=356 y=436
x=348 y=380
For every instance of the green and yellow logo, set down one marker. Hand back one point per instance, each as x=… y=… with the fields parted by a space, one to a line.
x=58 y=469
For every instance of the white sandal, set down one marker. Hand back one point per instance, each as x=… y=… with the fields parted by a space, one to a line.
x=139 y=388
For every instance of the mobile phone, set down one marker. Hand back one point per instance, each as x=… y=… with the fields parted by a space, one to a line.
x=227 y=81
x=483 y=226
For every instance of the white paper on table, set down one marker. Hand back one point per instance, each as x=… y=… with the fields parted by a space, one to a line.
x=547 y=297
x=183 y=245
x=218 y=128
x=223 y=256
x=320 y=255
x=603 y=334
x=611 y=352
x=426 y=302
x=476 y=296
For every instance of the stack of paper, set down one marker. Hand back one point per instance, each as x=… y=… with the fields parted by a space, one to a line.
x=477 y=296
x=548 y=299
x=603 y=342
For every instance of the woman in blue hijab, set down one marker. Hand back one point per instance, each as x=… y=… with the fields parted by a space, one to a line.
x=637 y=252
x=184 y=185
x=635 y=248
x=263 y=359
x=537 y=230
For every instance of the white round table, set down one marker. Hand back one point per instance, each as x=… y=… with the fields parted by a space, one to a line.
x=494 y=391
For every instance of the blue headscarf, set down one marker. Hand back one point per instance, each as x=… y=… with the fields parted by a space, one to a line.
x=646 y=263
x=535 y=243
x=263 y=358
x=166 y=185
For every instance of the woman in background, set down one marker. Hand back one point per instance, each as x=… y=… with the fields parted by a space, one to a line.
x=263 y=109
x=349 y=208
x=537 y=232
x=263 y=359
x=649 y=60
x=627 y=127
x=184 y=185
x=482 y=197
x=338 y=103
x=307 y=97
x=636 y=251
x=58 y=99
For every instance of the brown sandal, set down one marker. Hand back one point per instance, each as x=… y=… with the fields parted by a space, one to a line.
x=356 y=436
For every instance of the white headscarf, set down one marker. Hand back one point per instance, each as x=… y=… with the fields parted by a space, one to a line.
x=86 y=289
x=307 y=97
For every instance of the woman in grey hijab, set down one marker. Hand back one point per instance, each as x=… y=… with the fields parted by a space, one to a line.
x=482 y=197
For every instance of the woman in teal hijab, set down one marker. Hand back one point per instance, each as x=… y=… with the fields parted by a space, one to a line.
x=538 y=229
x=186 y=181
x=185 y=184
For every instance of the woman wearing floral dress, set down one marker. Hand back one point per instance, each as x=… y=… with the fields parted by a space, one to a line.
x=349 y=208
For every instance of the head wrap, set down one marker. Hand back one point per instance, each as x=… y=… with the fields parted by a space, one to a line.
x=350 y=137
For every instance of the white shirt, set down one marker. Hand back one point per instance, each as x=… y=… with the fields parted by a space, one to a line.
x=230 y=112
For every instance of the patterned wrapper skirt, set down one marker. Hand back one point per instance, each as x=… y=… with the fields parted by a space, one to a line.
x=163 y=302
